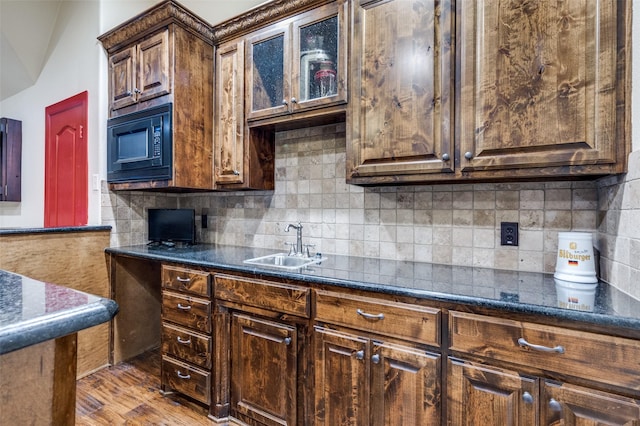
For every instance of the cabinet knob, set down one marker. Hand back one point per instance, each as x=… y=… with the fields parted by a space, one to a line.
x=375 y=359
x=284 y=102
x=555 y=405
x=360 y=355
x=445 y=157
x=136 y=90
x=527 y=398
x=237 y=173
x=294 y=100
x=129 y=93
x=468 y=155
x=287 y=341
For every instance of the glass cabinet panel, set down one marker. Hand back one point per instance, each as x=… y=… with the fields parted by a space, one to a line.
x=268 y=73
x=319 y=59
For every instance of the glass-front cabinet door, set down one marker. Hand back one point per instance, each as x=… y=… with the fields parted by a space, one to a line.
x=299 y=64
x=268 y=78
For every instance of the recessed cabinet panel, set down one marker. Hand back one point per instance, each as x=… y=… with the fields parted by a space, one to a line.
x=229 y=104
x=538 y=84
x=153 y=63
x=400 y=111
x=483 y=395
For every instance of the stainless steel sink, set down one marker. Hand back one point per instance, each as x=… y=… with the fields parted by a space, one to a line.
x=284 y=261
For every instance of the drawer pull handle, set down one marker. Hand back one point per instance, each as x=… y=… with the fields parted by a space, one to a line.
x=183 y=280
x=184 y=342
x=370 y=316
x=527 y=398
x=360 y=355
x=522 y=342
x=375 y=359
x=287 y=341
x=183 y=307
x=183 y=376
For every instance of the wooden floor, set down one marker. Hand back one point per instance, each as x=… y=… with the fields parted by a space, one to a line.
x=129 y=394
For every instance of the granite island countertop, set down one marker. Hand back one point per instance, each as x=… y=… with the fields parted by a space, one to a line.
x=516 y=291
x=33 y=311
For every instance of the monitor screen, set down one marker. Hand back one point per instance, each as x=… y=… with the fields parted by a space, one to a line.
x=172 y=225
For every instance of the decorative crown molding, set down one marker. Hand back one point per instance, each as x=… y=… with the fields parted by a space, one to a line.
x=260 y=16
x=157 y=16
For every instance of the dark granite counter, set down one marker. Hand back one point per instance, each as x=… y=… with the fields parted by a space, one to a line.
x=33 y=311
x=13 y=231
x=524 y=292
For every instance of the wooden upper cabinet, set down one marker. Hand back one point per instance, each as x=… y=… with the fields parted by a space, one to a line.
x=542 y=87
x=299 y=63
x=140 y=72
x=229 y=113
x=400 y=111
x=166 y=55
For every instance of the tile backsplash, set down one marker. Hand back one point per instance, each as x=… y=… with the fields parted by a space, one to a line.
x=449 y=224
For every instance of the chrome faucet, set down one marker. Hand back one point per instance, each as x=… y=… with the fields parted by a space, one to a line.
x=297 y=250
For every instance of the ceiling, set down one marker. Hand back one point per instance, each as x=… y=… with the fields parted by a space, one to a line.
x=24 y=48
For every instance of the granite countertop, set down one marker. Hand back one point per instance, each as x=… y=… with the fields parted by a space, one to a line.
x=33 y=311
x=524 y=292
x=13 y=231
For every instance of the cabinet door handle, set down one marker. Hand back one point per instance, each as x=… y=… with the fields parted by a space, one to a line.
x=237 y=173
x=360 y=355
x=184 y=342
x=284 y=102
x=445 y=157
x=183 y=280
x=294 y=100
x=558 y=349
x=369 y=316
x=138 y=91
x=287 y=341
x=129 y=93
x=183 y=307
x=554 y=405
x=375 y=359
x=468 y=155
x=527 y=398
x=183 y=376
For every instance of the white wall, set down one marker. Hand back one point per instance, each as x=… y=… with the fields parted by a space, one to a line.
x=77 y=62
x=72 y=66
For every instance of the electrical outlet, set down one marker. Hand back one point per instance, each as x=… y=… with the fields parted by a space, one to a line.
x=509 y=233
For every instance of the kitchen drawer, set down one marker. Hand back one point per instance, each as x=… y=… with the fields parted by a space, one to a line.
x=187 y=280
x=402 y=320
x=286 y=298
x=186 y=345
x=602 y=358
x=188 y=311
x=186 y=379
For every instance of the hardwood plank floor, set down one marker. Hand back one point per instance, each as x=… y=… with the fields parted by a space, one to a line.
x=129 y=394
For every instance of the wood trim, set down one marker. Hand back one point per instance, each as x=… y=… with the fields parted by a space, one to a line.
x=151 y=19
x=261 y=16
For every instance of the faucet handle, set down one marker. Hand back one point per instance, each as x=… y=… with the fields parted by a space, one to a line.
x=292 y=248
x=306 y=249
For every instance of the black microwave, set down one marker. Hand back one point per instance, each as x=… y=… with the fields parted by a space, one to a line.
x=139 y=146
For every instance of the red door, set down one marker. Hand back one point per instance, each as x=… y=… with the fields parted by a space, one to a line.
x=65 y=174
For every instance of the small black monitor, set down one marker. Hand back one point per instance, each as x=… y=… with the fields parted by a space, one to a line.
x=172 y=225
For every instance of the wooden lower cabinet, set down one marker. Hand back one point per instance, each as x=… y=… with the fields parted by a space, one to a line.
x=486 y=395
x=261 y=350
x=565 y=404
x=360 y=381
x=263 y=371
